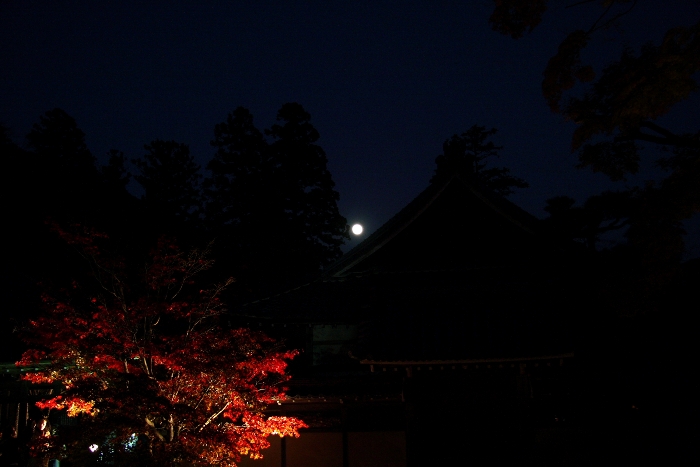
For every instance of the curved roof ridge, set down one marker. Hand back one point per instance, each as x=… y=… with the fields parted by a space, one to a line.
x=415 y=208
x=388 y=230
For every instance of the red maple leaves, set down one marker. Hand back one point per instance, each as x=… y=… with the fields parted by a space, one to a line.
x=146 y=360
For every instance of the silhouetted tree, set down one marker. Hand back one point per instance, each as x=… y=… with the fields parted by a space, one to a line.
x=64 y=173
x=170 y=179
x=617 y=114
x=115 y=174
x=240 y=172
x=54 y=177
x=5 y=140
x=273 y=201
x=466 y=154
x=58 y=140
x=600 y=214
x=18 y=272
x=310 y=202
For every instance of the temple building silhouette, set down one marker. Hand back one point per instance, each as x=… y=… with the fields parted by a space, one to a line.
x=446 y=335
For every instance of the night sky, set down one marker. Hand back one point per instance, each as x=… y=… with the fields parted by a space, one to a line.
x=386 y=82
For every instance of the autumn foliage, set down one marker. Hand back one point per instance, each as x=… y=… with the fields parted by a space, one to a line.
x=618 y=114
x=149 y=370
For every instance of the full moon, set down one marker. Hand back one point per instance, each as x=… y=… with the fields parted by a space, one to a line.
x=357 y=229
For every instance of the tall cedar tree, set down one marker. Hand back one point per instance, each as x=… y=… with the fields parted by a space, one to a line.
x=114 y=174
x=617 y=114
x=19 y=272
x=146 y=365
x=61 y=180
x=466 y=154
x=64 y=173
x=54 y=177
x=170 y=179
x=273 y=200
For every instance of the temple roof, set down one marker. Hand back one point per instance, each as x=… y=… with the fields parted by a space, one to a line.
x=451 y=225
x=459 y=273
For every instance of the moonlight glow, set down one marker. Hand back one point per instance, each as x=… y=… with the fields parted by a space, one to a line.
x=357 y=229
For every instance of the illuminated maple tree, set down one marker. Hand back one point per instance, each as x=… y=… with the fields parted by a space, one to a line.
x=147 y=368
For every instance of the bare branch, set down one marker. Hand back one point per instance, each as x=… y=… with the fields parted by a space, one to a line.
x=614 y=18
x=593 y=27
x=580 y=3
x=213 y=416
x=668 y=138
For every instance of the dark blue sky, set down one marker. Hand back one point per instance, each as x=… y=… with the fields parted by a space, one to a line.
x=386 y=82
